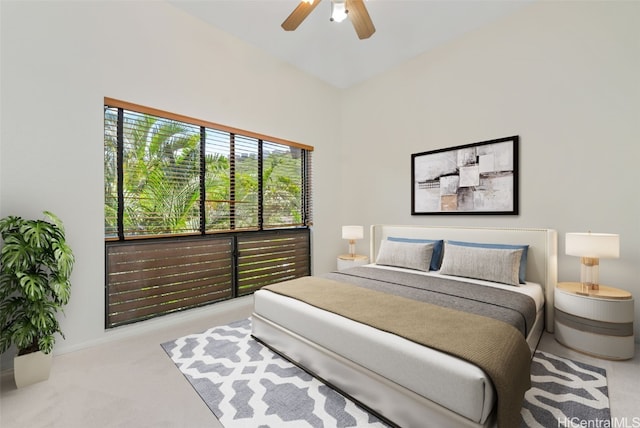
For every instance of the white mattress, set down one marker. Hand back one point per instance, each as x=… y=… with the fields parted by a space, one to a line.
x=444 y=379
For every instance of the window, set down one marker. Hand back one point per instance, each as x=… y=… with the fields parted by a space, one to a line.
x=197 y=212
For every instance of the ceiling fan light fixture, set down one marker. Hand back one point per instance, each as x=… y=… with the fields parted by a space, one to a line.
x=338 y=10
x=357 y=14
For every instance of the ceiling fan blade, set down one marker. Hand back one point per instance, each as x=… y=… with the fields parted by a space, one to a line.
x=360 y=18
x=299 y=14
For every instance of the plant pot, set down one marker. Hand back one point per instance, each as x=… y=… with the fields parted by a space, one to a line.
x=31 y=368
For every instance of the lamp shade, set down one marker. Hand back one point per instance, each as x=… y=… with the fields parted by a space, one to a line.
x=594 y=245
x=352 y=232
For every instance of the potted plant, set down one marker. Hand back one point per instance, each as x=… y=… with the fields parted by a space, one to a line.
x=35 y=266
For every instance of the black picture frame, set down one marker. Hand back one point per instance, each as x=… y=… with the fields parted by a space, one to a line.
x=477 y=178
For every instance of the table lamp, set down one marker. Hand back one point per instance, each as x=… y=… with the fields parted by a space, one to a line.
x=591 y=247
x=352 y=233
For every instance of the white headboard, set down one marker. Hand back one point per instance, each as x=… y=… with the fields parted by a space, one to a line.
x=542 y=259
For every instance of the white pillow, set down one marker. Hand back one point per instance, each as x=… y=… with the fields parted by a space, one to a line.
x=491 y=264
x=408 y=255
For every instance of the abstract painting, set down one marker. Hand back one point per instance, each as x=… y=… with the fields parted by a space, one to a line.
x=477 y=178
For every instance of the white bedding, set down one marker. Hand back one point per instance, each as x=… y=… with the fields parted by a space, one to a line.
x=444 y=379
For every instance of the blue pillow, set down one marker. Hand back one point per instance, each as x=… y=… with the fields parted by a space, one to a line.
x=438 y=244
x=523 y=260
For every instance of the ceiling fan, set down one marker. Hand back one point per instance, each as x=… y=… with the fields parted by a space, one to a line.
x=340 y=9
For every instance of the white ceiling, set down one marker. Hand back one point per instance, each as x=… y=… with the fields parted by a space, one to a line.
x=331 y=51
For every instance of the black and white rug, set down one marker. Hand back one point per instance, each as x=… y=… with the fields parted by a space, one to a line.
x=245 y=384
x=565 y=393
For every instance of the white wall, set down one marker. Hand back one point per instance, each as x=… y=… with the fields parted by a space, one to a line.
x=59 y=59
x=563 y=76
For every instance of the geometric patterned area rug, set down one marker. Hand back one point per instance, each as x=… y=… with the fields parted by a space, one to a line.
x=246 y=385
x=565 y=393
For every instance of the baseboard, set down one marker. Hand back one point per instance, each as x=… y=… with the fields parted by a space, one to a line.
x=142 y=327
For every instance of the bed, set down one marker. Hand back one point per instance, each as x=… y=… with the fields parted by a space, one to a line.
x=396 y=375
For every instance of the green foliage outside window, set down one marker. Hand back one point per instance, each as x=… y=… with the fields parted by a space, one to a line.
x=161 y=188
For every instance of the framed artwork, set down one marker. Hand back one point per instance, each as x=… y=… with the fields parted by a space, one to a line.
x=477 y=178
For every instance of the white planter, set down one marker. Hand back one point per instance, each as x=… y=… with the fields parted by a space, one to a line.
x=31 y=368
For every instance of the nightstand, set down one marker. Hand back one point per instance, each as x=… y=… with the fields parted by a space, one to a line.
x=346 y=261
x=596 y=322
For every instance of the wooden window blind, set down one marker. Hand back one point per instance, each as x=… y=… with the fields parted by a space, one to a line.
x=180 y=187
x=270 y=257
x=157 y=277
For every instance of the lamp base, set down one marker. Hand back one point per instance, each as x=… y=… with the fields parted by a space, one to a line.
x=352 y=247
x=590 y=272
x=588 y=286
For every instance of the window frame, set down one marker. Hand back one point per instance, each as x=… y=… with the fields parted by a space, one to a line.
x=306 y=173
x=289 y=244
